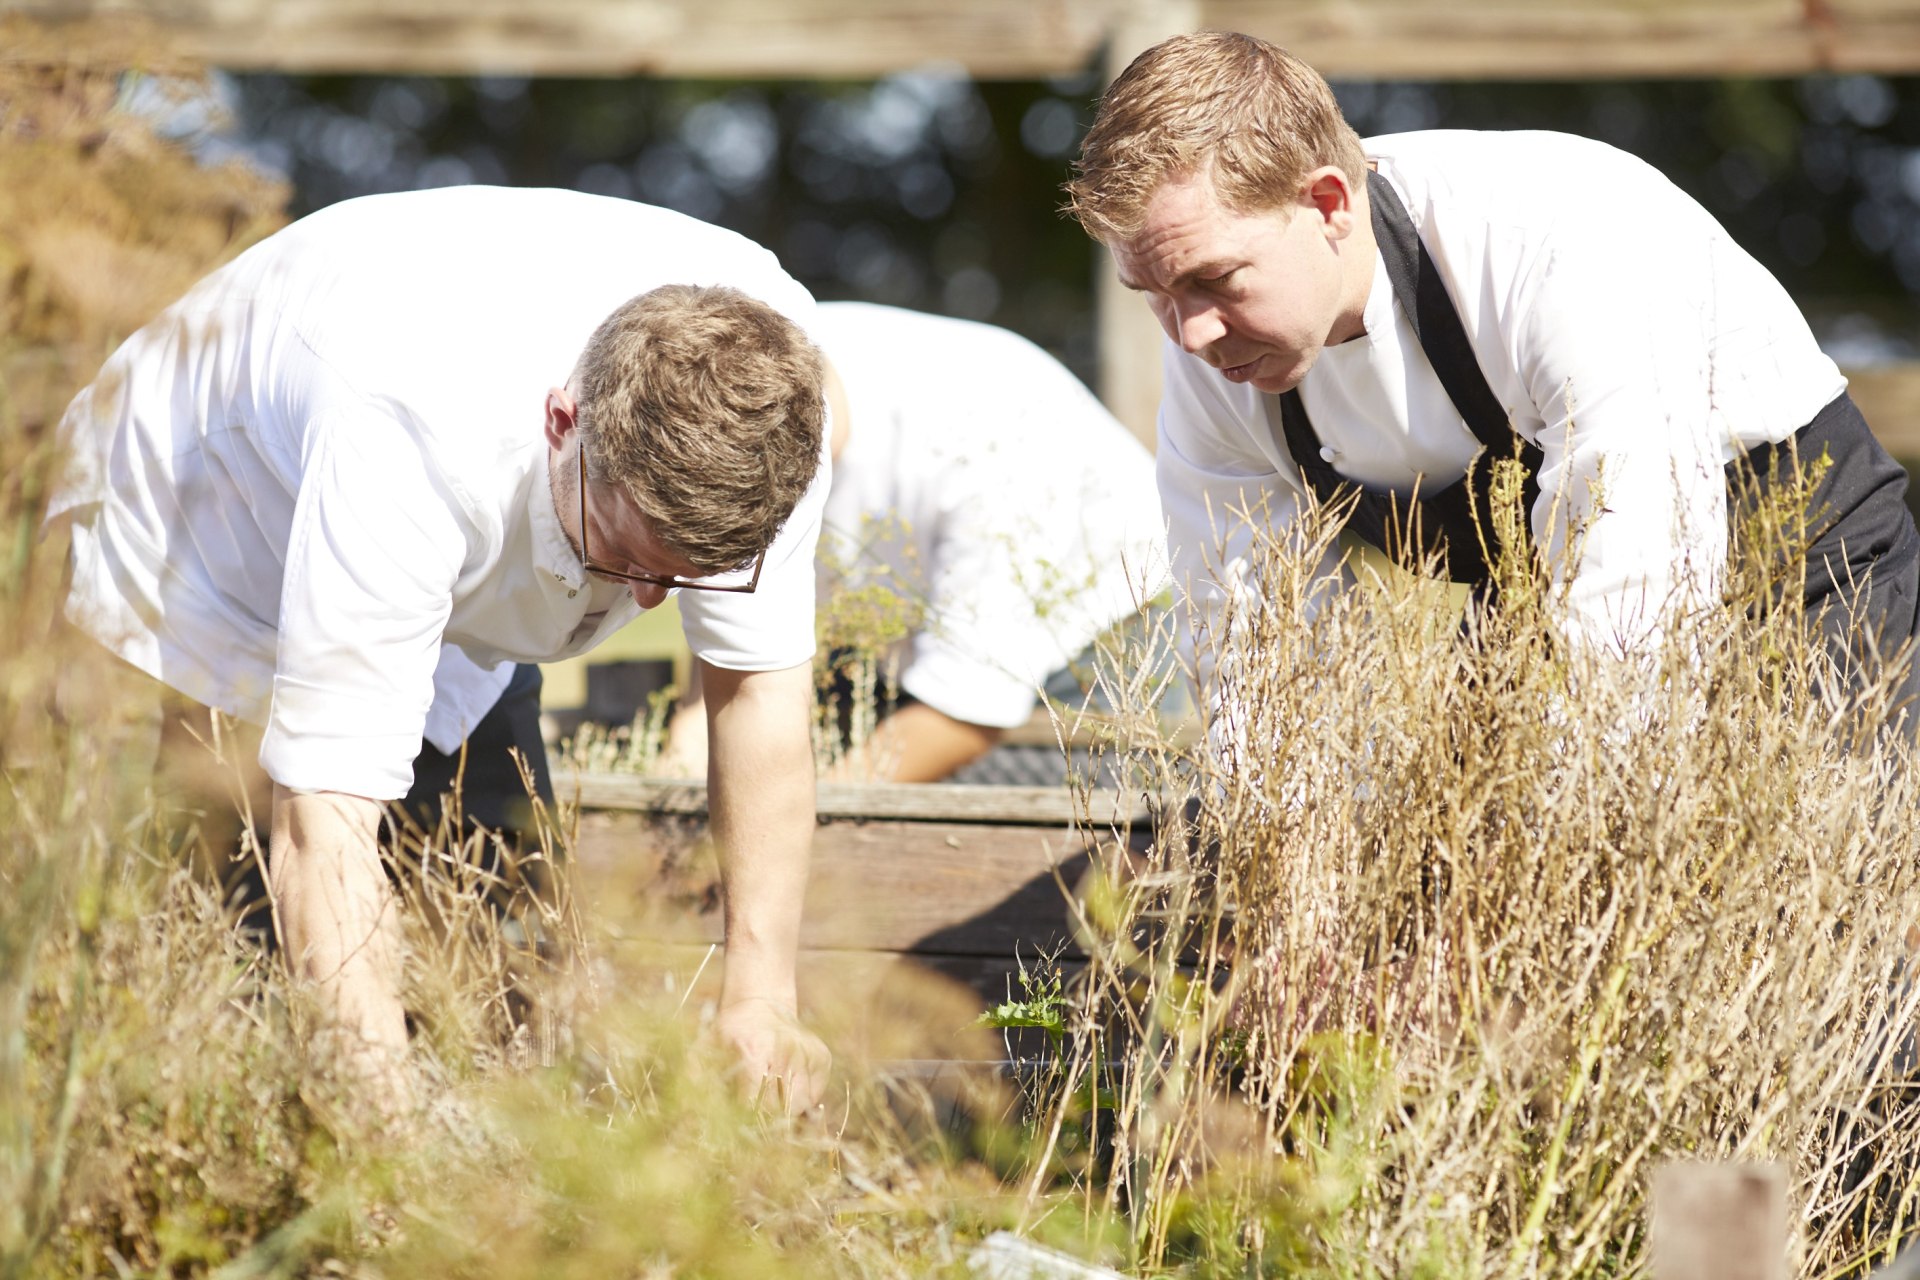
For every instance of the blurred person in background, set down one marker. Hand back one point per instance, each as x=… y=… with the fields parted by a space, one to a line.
x=358 y=480
x=1008 y=515
x=1344 y=313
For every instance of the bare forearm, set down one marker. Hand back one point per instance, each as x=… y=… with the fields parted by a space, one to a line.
x=685 y=755
x=924 y=745
x=760 y=795
x=336 y=914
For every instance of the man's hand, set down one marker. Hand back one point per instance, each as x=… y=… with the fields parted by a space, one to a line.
x=782 y=1064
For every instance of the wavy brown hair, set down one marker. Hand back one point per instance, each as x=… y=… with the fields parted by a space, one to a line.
x=705 y=404
x=1250 y=114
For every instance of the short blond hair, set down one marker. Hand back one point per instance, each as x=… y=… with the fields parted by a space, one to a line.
x=706 y=405
x=1247 y=113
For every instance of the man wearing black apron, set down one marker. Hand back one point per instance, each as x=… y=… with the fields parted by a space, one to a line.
x=1375 y=316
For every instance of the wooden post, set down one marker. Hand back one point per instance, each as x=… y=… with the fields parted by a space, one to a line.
x=1719 y=1222
x=1129 y=336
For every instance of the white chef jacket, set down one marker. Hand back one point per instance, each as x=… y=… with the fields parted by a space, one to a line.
x=1623 y=330
x=985 y=482
x=314 y=493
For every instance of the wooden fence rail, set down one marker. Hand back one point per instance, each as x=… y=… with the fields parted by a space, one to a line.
x=1480 y=39
x=971 y=883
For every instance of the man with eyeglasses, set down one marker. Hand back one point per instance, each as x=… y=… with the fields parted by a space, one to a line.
x=335 y=492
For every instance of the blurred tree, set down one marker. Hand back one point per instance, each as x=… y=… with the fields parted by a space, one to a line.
x=925 y=189
x=929 y=189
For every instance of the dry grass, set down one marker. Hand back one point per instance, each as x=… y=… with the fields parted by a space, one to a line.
x=866 y=612
x=158 y=1115
x=1447 y=944
x=1428 y=969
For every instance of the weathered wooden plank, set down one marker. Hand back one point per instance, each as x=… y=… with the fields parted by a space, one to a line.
x=1130 y=354
x=724 y=38
x=1130 y=341
x=1518 y=39
x=877 y=1005
x=997 y=38
x=906 y=801
x=940 y=889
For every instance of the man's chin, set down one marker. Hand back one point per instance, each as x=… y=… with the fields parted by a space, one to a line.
x=1274 y=385
x=1275 y=379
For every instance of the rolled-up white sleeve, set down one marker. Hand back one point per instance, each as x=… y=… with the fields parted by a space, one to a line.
x=771 y=628
x=983 y=648
x=374 y=550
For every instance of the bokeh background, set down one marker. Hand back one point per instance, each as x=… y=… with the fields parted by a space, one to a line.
x=934 y=190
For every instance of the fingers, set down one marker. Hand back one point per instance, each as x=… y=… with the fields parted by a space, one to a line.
x=780 y=1064
x=794 y=1081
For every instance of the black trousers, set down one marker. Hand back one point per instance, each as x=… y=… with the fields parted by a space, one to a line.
x=481 y=786
x=1863 y=566
x=484 y=781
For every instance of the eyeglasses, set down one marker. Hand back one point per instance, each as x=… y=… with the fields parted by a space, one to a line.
x=651 y=579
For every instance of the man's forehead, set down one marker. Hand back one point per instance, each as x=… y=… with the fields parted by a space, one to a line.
x=635 y=537
x=1185 y=224
x=1183 y=190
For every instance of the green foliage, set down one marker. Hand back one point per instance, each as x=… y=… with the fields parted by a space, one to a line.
x=634 y=748
x=1040 y=1004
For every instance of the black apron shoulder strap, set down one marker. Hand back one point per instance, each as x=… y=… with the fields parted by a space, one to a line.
x=1303 y=442
x=1423 y=296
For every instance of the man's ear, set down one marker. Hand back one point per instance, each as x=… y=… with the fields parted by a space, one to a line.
x=562 y=413
x=1330 y=193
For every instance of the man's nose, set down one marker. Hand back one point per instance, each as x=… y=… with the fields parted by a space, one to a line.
x=1195 y=327
x=648 y=595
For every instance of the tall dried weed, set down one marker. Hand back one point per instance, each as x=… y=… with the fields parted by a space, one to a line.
x=1448 y=938
x=159 y=1114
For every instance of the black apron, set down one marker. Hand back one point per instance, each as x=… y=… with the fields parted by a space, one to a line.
x=1864 y=548
x=1448 y=521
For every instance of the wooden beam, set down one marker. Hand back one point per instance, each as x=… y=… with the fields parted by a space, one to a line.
x=810 y=39
x=1129 y=337
x=793 y=39
x=954 y=890
x=902 y=801
x=878 y=1009
x=1889 y=399
x=1581 y=39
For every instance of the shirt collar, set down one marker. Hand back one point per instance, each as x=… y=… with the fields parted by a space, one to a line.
x=553 y=553
x=1377 y=315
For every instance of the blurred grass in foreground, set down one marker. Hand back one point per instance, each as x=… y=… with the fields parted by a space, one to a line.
x=158 y=1114
x=1434 y=959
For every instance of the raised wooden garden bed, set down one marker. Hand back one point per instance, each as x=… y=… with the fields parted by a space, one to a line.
x=914 y=888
